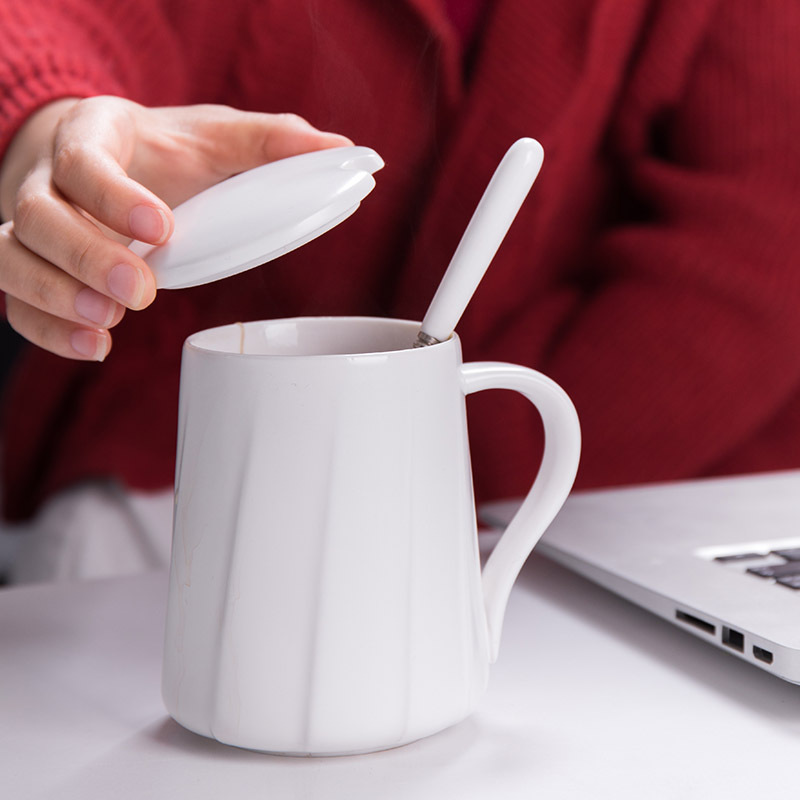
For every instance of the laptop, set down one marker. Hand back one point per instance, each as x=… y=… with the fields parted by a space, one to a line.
x=719 y=558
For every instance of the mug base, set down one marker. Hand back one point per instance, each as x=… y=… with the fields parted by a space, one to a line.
x=323 y=753
x=342 y=754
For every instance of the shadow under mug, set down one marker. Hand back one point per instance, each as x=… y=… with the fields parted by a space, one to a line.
x=326 y=595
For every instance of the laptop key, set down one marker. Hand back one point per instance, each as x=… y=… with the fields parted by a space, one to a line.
x=777 y=570
x=741 y=557
x=792 y=554
x=792 y=581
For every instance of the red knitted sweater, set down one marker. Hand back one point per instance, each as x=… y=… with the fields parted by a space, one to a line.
x=653 y=272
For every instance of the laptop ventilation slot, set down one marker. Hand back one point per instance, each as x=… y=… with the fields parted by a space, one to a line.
x=696 y=622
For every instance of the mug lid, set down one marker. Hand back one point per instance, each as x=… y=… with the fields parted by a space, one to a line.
x=260 y=214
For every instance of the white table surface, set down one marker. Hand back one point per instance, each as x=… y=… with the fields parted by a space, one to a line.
x=591 y=698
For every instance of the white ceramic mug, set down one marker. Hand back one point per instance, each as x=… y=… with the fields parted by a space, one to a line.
x=326 y=595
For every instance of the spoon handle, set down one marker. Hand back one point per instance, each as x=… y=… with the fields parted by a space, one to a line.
x=496 y=210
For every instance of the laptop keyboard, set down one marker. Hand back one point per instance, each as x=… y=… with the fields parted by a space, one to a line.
x=781 y=566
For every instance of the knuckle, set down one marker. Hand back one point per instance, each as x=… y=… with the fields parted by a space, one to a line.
x=215 y=113
x=80 y=260
x=293 y=121
x=40 y=290
x=102 y=197
x=89 y=104
x=74 y=165
x=69 y=157
x=86 y=106
x=29 y=207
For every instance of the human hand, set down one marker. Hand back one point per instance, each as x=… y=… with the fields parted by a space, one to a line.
x=82 y=177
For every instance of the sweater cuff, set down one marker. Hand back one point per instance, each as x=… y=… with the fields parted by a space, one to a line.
x=82 y=48
x=28 y=95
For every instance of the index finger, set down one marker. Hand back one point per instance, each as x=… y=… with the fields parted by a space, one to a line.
x=89 y=149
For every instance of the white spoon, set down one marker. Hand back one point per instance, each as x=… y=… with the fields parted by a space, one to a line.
x=496 y=211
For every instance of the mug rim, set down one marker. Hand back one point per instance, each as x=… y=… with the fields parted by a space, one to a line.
x=191 y=343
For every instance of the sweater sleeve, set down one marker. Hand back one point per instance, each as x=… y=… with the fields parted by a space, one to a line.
x=140 y=49
x=684 y=351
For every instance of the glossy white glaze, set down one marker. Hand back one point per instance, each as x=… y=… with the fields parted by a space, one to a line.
x=260 y=214
x=325 y=589
x=497 y=209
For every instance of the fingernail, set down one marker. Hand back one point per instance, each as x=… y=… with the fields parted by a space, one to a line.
x=148 y=224
x=126 y=283
x=89 y=344
x=95 y=307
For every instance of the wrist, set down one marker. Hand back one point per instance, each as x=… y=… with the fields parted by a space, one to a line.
x=33 y=140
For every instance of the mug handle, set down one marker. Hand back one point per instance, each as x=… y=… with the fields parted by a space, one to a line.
x=562 y=435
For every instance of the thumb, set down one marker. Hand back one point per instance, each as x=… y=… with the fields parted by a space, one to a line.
x=230 y=141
